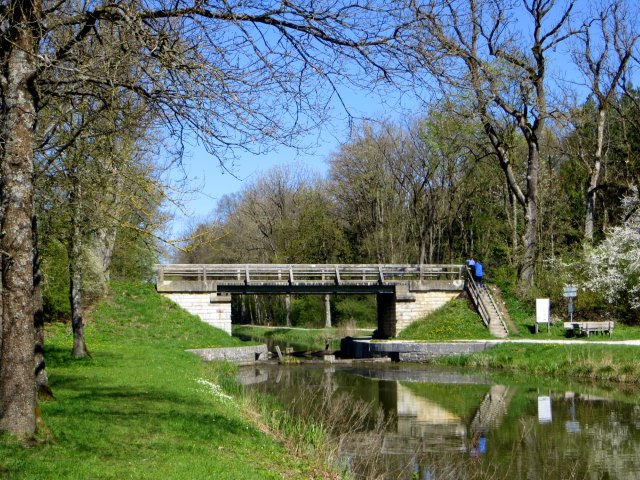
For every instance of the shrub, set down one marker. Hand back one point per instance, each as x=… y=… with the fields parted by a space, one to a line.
x=360 y=308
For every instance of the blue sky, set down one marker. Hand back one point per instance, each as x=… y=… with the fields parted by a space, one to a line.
x=211 y=182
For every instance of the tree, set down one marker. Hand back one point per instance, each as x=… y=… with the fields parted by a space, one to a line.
x=607 y=45
x=479 y=47
x=371 y=200
x=613 y=267
x=233 y=74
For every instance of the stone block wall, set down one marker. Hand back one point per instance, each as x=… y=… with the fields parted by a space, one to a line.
x=422 y=304
x=212 y=308
x=239 y=355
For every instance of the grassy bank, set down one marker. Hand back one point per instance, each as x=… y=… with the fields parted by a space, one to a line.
x=607 y=363
x=143 y=408
x=299 y=339
x=453 y=321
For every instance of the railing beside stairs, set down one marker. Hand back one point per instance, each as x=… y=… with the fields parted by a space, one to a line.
x=487 y=312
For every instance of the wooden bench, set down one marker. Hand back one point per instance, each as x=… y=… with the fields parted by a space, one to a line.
x=581 y=328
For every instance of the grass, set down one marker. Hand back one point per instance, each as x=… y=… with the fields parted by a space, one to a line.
x=523 y=316
x=141 y=407
x=608 y=363
x=299 y=339
x=454 y=320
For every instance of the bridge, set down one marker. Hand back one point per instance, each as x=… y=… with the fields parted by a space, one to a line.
x=404 y=293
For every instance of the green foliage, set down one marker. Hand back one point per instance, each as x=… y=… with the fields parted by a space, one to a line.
x=133 y=256
x=55 y=275
x=307 y=310
x=55 y=280
x=455 y=320
x=361 y=309
x=142 y=407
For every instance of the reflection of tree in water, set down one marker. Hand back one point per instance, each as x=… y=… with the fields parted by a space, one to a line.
x=395 y=430
x=605 y=446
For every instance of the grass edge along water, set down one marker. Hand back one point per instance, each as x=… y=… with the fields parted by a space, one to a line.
x=142 y=407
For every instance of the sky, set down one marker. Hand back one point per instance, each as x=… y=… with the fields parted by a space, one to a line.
x=210 y=181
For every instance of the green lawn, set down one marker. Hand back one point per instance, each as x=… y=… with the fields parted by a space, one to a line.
x=141 y=407
x=299 y=339
x=609 y=363
x=453 y=321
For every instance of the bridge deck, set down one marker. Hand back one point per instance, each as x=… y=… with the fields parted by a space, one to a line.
x=237 y=278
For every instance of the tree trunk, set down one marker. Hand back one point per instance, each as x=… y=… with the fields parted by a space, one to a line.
x=75 y=270
x=42 y=379
x=17 y=379
x=104 y=244
x=327 y=311
x=594 y=179
x=530 y=237
x=287 y=307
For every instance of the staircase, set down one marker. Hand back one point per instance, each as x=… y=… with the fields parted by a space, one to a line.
x=487 y=308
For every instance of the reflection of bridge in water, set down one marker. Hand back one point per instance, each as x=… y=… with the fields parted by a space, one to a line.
x=426 y=426
x=420 y=424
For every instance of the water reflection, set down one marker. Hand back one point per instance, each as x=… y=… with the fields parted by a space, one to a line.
x=449 y=424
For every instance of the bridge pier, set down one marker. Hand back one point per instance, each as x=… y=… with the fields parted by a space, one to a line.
x=386 y=303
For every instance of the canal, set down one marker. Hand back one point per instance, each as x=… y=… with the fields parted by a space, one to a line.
x=418 y=422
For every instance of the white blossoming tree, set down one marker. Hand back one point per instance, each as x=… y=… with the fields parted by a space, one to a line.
x=613 y=267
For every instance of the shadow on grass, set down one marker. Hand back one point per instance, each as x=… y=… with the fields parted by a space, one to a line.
x=108 y=411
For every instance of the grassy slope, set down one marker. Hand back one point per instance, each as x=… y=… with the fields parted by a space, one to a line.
x=136 y=409
x=455 y=320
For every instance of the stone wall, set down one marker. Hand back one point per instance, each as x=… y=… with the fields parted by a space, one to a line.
x=239 y=355
x=421 y=304
x=212 y=308
x=410 y=351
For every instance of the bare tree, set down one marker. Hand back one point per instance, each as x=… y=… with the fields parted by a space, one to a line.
x=235 y=74
x=482 y=47
x=604 y=52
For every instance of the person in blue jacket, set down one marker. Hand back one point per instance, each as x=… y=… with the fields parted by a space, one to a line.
x=479 y=273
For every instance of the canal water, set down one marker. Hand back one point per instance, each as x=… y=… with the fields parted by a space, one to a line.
x=419 y=422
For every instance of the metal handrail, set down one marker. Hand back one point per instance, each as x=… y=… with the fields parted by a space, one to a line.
x=482 y=308
x=306 y=273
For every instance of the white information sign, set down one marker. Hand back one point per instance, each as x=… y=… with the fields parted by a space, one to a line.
x=543 y=305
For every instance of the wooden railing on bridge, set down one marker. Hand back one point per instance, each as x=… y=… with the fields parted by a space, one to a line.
x=306 y=274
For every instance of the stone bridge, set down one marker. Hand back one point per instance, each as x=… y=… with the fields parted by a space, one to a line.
x=404 y=293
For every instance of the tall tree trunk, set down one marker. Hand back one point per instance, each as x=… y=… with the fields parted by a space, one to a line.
x=530 y=237
x=75 y=270
x=594 y=179
x=42 y=379
x=327 y=311
x=287 y=307
x=17 y=379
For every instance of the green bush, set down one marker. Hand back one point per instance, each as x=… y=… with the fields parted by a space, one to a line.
x=308 y=311
x=361 y=308
x=55 y=281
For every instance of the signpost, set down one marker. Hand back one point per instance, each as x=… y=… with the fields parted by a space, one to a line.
x=543 y=306
x=570 y=292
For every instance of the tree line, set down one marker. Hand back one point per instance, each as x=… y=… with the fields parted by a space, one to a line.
x=503 y=163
